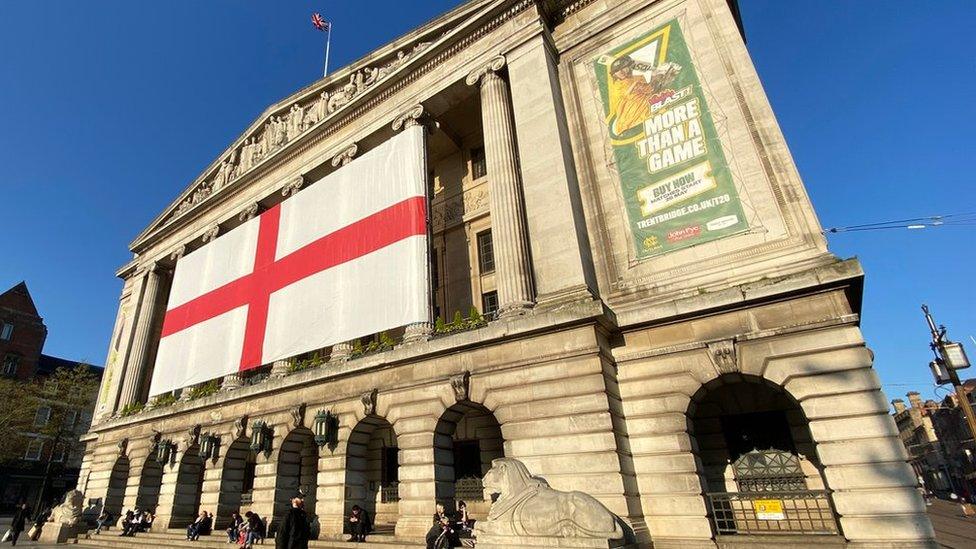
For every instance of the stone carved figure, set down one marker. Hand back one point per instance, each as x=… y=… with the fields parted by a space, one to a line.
x=240 y=427
x=298 y=415
x=459 y=384
x=369 y=402
x=69 y=512
x=528 y=507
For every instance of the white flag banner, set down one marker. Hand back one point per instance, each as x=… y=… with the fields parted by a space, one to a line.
x=344 y=258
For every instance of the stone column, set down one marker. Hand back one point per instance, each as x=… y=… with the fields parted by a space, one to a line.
x=410 y=118
x=512 y=270
x=135 y=370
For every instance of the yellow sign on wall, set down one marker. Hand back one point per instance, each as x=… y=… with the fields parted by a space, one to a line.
x=769 y=509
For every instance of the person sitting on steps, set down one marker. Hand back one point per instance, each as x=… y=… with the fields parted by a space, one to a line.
x=359 y=524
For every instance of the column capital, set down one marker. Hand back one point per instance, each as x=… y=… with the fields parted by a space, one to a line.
x=211 y=233
x=491 y=66
x=346 y=156
x=249 y=212
x=412 y=116
x=293 y=186
x=178 y=252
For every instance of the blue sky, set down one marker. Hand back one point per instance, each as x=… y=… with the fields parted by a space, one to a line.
x=110 y=109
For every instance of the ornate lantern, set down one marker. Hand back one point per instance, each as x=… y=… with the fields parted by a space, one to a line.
x=164 y=451
x=208 y=446
x=260 y=437
x=326 y=427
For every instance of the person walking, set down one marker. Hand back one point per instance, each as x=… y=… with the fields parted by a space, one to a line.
x=19 y=522
x=294 y=531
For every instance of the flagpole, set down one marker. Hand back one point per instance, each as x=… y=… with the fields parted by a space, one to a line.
x=328 y=40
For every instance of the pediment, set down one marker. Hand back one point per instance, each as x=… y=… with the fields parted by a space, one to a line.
x=309 y=108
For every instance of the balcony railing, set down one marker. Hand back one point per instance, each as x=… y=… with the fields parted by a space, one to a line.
x=799 y=512
x=390 y=493
x=469 y=489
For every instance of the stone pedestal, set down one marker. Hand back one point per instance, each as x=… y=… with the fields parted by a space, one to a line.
x=488 y=541
x=280 y=368
x=60 y=533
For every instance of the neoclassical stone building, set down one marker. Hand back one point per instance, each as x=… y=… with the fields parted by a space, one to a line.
x=653 y=316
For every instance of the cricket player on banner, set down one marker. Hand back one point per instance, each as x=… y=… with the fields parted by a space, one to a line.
x=676 y=183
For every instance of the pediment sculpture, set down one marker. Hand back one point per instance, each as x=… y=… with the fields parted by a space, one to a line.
x=528 y=507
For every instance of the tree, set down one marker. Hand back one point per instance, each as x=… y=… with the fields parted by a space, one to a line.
x=69 y=393
x=16 y=417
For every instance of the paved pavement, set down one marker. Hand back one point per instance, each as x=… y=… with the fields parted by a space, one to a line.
x=952 y=529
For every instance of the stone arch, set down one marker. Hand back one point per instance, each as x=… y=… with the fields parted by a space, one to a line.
x=236 y=480
x=150 y=482
x=752 y=437
x=115 y=495
x=466 y=440
x=372 y=469
x=189 y=487
x=296 y=474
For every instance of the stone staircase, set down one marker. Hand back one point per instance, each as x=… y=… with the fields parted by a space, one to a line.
x=382 y=538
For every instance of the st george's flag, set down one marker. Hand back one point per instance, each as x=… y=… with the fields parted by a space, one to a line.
x=344 y=258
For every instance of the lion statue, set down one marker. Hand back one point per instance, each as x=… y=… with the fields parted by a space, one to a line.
x=527 y=506
x=69 y=512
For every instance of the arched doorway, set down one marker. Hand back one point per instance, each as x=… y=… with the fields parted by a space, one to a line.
x=372 y=471
x=297 y=474
x=189 y=486
x=466 y=440
x=236 y=481
x=147 y=498
x=115 y=495
x=758 y=461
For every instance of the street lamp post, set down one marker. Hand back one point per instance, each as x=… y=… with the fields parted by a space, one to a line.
x=949 y=357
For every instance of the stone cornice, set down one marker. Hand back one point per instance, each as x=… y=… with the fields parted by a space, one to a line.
x=327 y=106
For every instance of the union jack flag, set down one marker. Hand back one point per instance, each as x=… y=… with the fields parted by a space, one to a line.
x=320 y=23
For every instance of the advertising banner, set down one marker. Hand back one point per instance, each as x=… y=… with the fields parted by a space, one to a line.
x=676 y=183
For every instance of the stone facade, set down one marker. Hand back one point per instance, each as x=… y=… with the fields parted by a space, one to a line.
x=633 y=381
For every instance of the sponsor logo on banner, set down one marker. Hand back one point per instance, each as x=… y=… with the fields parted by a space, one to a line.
x=722 y=223
x=673 y=172
x=682 y=234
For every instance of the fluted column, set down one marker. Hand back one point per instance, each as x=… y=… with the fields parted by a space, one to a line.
x=137 y=365
x=512 y=270
x=412 y=117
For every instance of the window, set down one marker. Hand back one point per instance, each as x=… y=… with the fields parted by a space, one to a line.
x=69 y=418
x=10 y=363
x=435 y=272
x=42 y=416
x=391 y=465
x=489 y=303
x=479 y=168
x=34 y=450
x=6 y=331
x=486 y=252
x=60 y=454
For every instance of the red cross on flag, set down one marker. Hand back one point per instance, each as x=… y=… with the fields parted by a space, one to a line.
x=344 y=258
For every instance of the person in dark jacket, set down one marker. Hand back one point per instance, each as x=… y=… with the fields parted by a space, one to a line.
x=442 y=523
x=294 y=531
x=359 y=524
x=19 y=522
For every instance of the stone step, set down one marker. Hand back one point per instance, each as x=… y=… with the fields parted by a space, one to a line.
x=176 y=539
